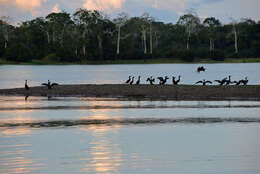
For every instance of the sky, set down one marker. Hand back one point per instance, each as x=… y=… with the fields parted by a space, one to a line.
x=167 y=11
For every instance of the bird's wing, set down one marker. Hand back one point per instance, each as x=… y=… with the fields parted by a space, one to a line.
x=208 y=82
x=45 y=84
x=198 y=82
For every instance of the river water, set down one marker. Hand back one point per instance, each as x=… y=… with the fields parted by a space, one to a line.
x=108 y=135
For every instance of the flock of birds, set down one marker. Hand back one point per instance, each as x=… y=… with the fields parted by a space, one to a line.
x=48 y=84
x=163 y=80
x=175 y=81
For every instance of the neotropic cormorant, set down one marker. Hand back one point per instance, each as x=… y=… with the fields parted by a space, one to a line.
x=151 y=80
x=138 y=81
x=204 y=82
x=201 y=68
x=49 y=84
x=228 y=81
x=132 y=81
x=163 y=80
x=128 y=80
x=244 y=81
x=221 y=82
x=26 y=86
x=175 y=82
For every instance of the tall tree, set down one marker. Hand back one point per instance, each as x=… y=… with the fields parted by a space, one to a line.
x=212 y=24
x=191 y=22
x=59 y=22
x=120 y=21
x=82 y=18
x=235 y=32
x=5 y=28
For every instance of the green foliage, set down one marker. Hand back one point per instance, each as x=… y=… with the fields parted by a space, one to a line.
x=18 y=52
x=89 y=36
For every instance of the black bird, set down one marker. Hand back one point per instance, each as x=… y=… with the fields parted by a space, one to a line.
x=244 y=81
x=221 y=82
x=237 y=82
x=128 y=80
x=228 y=81
x=138 y=81
x=151 y=80
x=49 y=84
x=163 y=80
x=132 y=81
x=26 y=86
x=201 y=68
x=204 y=82
x=175 y=82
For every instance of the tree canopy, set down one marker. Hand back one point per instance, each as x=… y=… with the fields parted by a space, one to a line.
x=91 y=35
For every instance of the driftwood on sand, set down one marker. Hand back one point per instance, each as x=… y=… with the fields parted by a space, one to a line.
x=167 y=92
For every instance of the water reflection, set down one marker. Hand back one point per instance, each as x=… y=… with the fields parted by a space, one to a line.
x=15 y=154
x=105 y=153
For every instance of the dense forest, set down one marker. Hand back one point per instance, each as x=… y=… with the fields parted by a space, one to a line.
x=91 y=35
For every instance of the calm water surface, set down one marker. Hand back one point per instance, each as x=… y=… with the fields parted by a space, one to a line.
x=96 y=135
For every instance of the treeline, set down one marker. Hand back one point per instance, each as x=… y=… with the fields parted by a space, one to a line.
x=90 y=35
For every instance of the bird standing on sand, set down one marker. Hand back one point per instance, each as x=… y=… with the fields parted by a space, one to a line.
x=163 y=80
x=138 y=81
x=204 y=82
x=221 y=82
x=49 y=84
x=244 y=81
x=175 y=82
x=151 y=80
x=26 y=85
x=128 y=80
x=228 y=81
x=132 y=81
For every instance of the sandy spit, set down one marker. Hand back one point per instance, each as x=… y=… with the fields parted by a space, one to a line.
x=165 y=92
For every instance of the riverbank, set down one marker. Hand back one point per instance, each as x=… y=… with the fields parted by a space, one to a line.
x=143 y=92
x=139 y=61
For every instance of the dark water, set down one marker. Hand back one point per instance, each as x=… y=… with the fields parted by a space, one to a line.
x=14 y=76
x=97 y=135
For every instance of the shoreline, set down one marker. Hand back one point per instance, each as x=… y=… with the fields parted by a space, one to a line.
x=133 y=61
x=142 y=92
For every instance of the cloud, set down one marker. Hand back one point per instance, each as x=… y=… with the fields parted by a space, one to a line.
x=24 y=4
x=56 y=9
x=103 y=5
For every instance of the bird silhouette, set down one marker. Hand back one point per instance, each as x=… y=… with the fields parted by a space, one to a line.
x=228 y=81
x=244 y=81
x=201 y=68
x=221 y=82
x=203 y=82
x=26 y=85
x=49 y=84
x=138 y=81
x=151 y=80
x=132 y=81
x=163 y=80
x=128 y=80
x=236 y=82
x=175 y=82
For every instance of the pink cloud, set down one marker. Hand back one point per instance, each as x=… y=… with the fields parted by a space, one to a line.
x=56 y=9
x=103 y=5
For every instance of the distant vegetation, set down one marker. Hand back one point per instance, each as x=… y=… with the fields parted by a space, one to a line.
x=90 y=36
